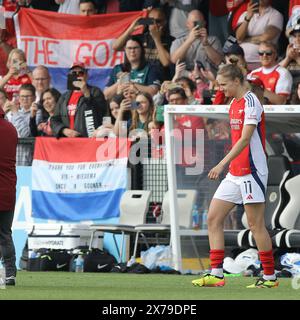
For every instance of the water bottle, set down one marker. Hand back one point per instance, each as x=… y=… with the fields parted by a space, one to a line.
x=195 y=217
x=204 y=219
x=79 y=263
x=2 y=276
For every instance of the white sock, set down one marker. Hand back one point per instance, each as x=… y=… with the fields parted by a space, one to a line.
x=269 y=277
x=218 y=272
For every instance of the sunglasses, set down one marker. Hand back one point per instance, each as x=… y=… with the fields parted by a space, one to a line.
x=268 y=53
x=77 y=73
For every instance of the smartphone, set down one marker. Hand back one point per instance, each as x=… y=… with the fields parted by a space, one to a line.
x=135 y=105
x=200 y=65
x=256 y=2
x=71 y=79
x=198 y=24
x=125 y=78
x=146 y=21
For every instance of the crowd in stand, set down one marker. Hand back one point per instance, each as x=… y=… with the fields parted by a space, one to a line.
x=173 y=61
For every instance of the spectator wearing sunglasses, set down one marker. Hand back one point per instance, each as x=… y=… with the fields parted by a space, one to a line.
x=79 y=110
x=276 y=79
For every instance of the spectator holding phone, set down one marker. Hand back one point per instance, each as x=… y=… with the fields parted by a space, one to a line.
x=79 y=110
x=20 y=115
x=108 y=123
x=136 y=69
x=124 y=117
x=155 y=38
x=18 y=73
x=197 y=45
x=292 y=57
x=135 y=116
x=261 y=22
x=142 y=112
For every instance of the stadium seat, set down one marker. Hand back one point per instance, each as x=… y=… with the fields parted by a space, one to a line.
x=134 y=206
x=277 y=198
x=186 y=200
x=289 y=220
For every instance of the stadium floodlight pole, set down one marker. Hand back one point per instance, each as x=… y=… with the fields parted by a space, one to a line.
x=172 y=183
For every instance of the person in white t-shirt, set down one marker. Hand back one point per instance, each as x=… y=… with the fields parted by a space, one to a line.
x=260 y=23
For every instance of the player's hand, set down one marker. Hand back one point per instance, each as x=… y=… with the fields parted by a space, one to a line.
x=215 y=172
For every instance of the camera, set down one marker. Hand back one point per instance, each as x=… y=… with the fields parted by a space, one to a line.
x=146 y=21
x=71 y=78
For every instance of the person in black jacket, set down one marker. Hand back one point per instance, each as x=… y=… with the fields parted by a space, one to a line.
x=80 y=110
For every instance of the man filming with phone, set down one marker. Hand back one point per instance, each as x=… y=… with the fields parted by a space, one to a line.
x=197 y=45
x=261 y=22
x=79 y=110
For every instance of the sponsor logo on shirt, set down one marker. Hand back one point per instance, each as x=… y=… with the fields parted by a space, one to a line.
x=236 y=124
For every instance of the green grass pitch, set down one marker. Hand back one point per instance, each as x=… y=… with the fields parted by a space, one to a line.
x=112 y=286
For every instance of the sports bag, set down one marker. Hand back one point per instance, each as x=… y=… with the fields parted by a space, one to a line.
x=98 y=260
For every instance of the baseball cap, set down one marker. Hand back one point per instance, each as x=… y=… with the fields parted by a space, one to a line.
x=295 y=28
x=79 y=65
x=235 y=49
